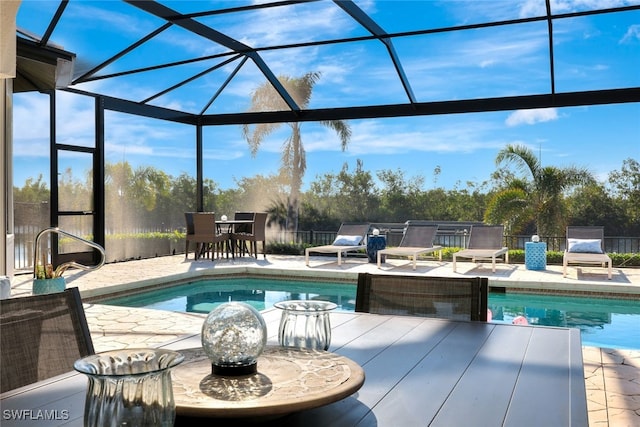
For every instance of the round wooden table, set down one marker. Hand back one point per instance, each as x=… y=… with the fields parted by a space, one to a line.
x=288 y=380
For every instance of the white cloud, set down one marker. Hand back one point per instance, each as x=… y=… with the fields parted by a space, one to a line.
x=537 y=7
x=533 y=116
x=633 y=33
x=103 y=18
x=390 y=137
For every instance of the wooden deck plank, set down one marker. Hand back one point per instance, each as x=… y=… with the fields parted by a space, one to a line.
x=543 y=390
x=579 y=412
x=486 y=387
x=432 y=378
x=378 y=349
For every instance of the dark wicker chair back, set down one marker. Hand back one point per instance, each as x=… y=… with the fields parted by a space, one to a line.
x=204 y=225
x=458 y=298
x=244 y=228
x=41 y=336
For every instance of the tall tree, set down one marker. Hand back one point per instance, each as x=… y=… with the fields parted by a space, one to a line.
x=357 y=194
x=536 y=196
x=591 y=205
x=626 y=187
x=399 y=195
x=293 y=162
x=33 y=191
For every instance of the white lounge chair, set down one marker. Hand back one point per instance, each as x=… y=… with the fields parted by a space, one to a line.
x=485 y=243
x=416 y=240
x=351 y=237
x=585 y=245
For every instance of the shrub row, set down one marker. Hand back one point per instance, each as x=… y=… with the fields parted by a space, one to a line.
x=143 y=242
x=516 y=256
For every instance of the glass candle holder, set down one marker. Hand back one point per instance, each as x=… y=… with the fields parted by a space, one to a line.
x=305 y=324
x=129 y=387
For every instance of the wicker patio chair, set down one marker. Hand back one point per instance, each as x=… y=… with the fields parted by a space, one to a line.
x=485 y=243
x=255 y=233
x=206 y=234
x=351 y=237
x=585 y=245
x=458 y=298
x=244 y=228
x=41 y=336
x=416 y=239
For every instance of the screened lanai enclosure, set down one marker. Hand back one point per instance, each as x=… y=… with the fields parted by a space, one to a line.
x=102 y=76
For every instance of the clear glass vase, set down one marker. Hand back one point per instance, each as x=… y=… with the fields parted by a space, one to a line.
x=129 y=387
x=305 y=324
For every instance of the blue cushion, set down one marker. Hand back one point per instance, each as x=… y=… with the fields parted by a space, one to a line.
x=347 y=240
x=587 y=246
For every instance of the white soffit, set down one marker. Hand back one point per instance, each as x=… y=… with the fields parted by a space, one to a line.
x=8 y=11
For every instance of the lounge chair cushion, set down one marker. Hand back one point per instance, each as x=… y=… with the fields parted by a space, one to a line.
x=591 y=246
x=347 y=240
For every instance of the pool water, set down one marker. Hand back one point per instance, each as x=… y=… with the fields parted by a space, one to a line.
x=204 y=295
x=609 y=323
x=603 y=322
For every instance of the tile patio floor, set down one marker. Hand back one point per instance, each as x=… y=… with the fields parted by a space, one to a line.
x=612 y=377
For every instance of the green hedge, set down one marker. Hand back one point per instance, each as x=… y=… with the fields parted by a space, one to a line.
x=287 y=248
x=516 y=256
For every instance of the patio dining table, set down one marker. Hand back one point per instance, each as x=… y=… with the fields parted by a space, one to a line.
x=418 y=372
x=229 y=225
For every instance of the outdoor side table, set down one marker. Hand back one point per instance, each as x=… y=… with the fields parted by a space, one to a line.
x=535 y=255
x=374 y=244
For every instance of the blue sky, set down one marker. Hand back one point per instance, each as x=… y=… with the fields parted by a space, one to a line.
x=595 y=52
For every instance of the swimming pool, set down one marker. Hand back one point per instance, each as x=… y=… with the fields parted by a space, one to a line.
x=610 y=323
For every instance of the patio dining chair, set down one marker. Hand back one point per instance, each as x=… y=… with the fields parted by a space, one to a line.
x=585 y=245
x=205 y=234
x=41 y=336
x=457 y=298
x=243 y=228
x=416 y=239
x=485 y=243
x=251 y=234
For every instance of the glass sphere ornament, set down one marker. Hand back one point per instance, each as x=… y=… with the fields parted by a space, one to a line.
x=234 y=334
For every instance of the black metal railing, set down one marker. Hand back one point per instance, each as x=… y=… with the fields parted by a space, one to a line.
x=613 y=244
x=24 y=240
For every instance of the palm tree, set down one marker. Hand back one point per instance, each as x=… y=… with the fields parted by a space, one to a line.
x=293 y=162
x=536 y=199
x=279 y=213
